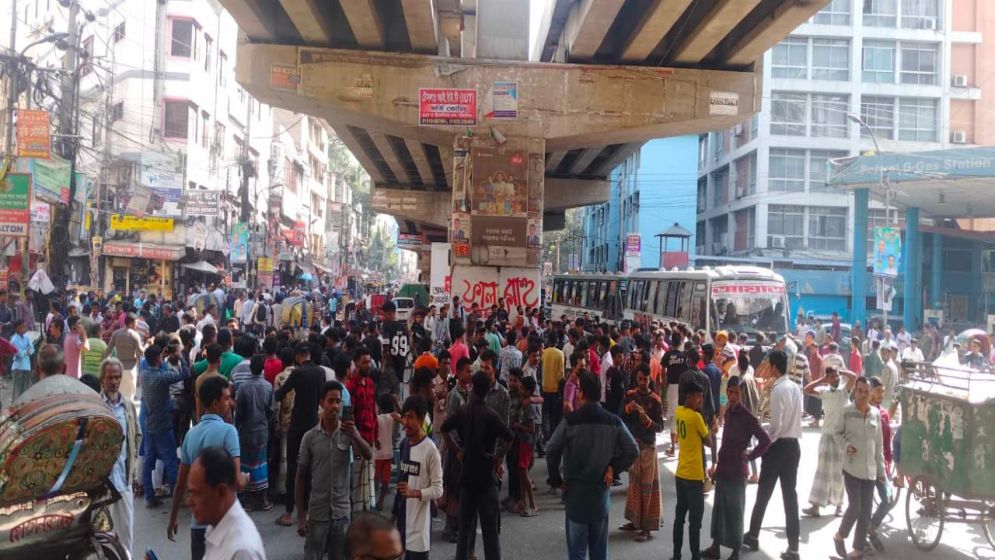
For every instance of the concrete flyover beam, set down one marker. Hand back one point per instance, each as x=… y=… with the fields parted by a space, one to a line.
x=716 y=24
x=423 y=27
x=773 y=27
x=312 y=19
x=562 y=194
x=365 y=22
x=587 y=25
x=661 y=15
x=571 y=106
x=428 y=208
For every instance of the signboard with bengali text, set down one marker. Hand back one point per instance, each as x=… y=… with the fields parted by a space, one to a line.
x=34 y=138
x=447 y=106
x=15 y=205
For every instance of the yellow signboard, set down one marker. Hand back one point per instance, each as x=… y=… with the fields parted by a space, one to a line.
x=265 y=264
x=131 y=223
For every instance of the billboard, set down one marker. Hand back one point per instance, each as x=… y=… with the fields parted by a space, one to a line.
x=484 y=285
x=440 y=274
x=447 y=106
x=34 y=139
x=239 y=243
x=15 y=204
x=887 y=251
x=200 y=203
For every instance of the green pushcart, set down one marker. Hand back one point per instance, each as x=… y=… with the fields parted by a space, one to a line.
x=948 y=451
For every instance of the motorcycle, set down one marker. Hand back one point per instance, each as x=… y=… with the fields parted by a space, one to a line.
x=58 y=445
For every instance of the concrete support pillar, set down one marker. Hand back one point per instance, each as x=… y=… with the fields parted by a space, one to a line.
x=936 y=273
x=858 y=288
x=912 y=275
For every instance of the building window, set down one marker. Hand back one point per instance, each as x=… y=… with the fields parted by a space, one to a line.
x=176 y=114
x=181 y=43
x=787 y=113
x=836 y=13
x=702 y=194
x=699 y=233
x=818 y=169
x=879 y=114
x=917 y=119
x=785 y=223
x=222 y=68
x=219 y=138
x=720 y=186
x=119 y=32
x=117 y=111
x=880 y=13
x=208 y=44
x=879 y=62
x=746 y=177
x=830 y=59
x=205 y=135
x=827 y=228
x=919 y=63
x=790 y=58
x=786 y=171
x=829 y=115
x=920 y=14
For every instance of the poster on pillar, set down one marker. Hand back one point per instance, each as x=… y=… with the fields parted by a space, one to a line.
x=887 y=251
x=440 y=279
x=499 y=206
x=484 y=285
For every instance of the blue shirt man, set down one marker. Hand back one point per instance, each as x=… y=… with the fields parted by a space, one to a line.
x=160 y=442
x=213 y=430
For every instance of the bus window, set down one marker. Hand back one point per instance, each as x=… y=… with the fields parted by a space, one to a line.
x=684 y=301
x=635 y=288
x=698 y=310
x=673 y=296
x=557 y=291
x=646 y=305
x=661 y=297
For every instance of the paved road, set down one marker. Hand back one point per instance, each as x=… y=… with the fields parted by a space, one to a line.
x=543 y=536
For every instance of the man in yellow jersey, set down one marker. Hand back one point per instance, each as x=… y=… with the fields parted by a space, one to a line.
x=690 y=475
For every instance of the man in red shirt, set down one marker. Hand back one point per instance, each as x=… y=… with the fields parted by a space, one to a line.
x=363 y=393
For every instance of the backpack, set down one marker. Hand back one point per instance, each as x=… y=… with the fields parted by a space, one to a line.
x=261 y=313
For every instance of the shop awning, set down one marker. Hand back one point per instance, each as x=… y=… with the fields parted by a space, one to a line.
x=152 y=251
x=201 y=266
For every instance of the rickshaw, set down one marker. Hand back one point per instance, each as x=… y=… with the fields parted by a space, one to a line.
x=948 y=450
x=297 y=312
x=201 y=302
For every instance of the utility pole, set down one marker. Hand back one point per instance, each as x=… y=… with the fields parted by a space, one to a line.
x=96 y=276
x=69 y=146
x=12 y=77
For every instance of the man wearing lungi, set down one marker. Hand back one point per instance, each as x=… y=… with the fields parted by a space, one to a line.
x=827 y=488
x=643 y=414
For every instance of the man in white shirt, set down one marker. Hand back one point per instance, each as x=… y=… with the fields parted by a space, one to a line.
x=913 y=353
x=889 y=377
x=780 y=462
x=904 y=339
x=209 y=317
x=212 y=495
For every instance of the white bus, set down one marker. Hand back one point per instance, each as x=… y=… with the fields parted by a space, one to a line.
x=738 y=298
x=597 y=295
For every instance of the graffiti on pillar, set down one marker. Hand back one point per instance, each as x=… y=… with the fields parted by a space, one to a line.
x=480 y=285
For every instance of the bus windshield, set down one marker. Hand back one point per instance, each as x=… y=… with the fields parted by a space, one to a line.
x=750 y=307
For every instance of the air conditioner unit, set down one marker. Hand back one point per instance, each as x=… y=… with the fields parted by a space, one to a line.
x=958 y=137
x=929 y=23
x=699 y=250
x=777 y=241
x=737 y=131
x=960 y=80
x=740 y=191
x=717 y=248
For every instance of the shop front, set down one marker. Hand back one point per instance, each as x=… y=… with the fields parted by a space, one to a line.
x=141 y=266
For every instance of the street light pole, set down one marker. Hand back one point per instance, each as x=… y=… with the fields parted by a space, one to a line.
x=881 y=182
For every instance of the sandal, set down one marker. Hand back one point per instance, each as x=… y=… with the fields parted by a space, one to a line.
x=628 y=527
x=642 y=537
x=669 y=452
x=840 y=545
x=529 y=513
x=285 y=520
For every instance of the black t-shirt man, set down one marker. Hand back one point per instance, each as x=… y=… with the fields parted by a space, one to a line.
x=674 y=363
x=396 y=344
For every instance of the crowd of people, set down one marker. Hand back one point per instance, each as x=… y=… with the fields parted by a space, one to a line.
x=228 y=410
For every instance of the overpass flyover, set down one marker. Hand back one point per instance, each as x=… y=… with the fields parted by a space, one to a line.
x=604 y=77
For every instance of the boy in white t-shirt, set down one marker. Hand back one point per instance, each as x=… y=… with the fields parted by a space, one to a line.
x=383 y=455
x=419 y=482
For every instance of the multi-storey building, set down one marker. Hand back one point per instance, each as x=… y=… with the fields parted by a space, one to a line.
x=159 y=115
x=910 y=72
x=651 y=190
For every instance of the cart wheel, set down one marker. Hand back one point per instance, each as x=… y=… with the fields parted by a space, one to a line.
x=988 y=522
x=924 y=513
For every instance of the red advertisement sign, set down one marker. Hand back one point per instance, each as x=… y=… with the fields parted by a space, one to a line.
x=447 y=106
x=33 y=136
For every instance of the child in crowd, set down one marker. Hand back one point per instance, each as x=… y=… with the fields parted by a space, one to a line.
x=527 y=429
x=383 y=455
